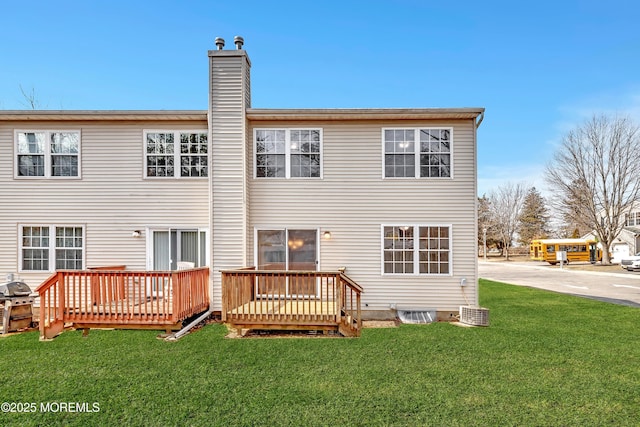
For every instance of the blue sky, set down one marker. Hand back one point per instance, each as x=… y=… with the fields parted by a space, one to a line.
x=539 y=68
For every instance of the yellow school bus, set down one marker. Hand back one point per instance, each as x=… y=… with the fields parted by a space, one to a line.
x=576 y=249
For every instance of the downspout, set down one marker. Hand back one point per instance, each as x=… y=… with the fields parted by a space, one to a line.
x=176 y=336
x=480 y=119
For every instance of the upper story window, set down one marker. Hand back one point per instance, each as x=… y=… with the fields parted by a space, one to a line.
x=176 y=154
x=48 y=154
x=632 y=219
x=49 y=248
x=288 y=153
x=417 y=153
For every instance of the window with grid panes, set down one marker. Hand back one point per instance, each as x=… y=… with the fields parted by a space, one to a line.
x=416 y=249
x=49 y=248
x=417 y=153
x=165 y=158
x=288 y=153
x=48 y=154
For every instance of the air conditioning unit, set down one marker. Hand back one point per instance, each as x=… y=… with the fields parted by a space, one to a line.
x=475 y=316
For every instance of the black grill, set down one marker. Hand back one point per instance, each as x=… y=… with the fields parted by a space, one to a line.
x=16 y=307
x=14 y=289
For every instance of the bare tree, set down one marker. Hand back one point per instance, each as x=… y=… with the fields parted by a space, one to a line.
x=485 y=224
x=506 y=205
x=574 y=224
x=595 y=175
x=30 y=99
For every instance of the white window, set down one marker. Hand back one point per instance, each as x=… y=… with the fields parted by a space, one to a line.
x=288 y=153
x=49 y=248
x=632 y=219
x=417 y=152
x=47 y=154
x=176 y=154
x=416 y=249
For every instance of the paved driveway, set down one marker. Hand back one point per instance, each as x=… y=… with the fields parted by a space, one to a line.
x=619 y=288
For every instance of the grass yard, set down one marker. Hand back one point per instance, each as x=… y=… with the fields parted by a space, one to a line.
x=546 y=360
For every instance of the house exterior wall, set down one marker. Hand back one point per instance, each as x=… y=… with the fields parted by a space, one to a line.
x=353 y=201
x=111 y=199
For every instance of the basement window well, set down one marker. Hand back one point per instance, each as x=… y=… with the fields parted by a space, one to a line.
x=416 y=315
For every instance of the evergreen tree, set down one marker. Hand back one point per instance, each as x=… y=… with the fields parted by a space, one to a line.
x=533 y=222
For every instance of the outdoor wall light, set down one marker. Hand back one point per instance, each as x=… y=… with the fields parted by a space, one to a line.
x=327 y=235
x=136 y=233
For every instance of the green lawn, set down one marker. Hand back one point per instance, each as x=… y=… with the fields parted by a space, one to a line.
x=546 y=359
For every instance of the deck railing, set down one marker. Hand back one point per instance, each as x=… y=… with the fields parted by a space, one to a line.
x=121 y=298
x=351 y=291
x=278 y=299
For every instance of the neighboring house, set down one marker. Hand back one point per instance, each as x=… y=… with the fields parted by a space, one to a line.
x=390 y=194
x=628 y=241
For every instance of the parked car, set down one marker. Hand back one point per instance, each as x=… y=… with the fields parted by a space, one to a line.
x=631 y=262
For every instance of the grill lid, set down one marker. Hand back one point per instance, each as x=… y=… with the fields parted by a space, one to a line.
x=14 y=289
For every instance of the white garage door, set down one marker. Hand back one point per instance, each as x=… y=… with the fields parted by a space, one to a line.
x=618 y=251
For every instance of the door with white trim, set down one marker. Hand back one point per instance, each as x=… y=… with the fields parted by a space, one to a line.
x=173 y=245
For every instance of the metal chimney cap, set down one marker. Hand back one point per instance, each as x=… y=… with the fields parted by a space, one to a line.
x=219 y=43
x=239 y=41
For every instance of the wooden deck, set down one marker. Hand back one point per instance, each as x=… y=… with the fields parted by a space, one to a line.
x=121 y=299
x=307 y=300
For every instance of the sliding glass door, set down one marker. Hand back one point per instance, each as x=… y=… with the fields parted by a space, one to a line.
x=174 y=247
x=295 y=250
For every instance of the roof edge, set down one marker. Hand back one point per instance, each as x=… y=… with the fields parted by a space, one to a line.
x=252 y=114
x=8 y=115
x=364 y=113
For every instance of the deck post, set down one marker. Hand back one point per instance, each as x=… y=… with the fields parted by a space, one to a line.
x=176 y=303
x=339 y=297
x=358 y=310
x=61 y=299
x=225 y=296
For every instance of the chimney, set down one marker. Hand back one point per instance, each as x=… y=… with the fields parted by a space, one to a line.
x=229 y=99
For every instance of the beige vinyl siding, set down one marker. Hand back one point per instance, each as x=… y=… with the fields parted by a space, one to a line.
x=353 y=201
x=111 y=200
x=229 y=99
